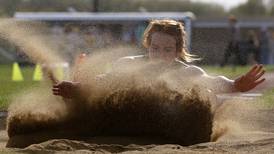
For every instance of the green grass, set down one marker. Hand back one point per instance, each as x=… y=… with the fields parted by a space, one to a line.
x=9 y=88
x=267 y=99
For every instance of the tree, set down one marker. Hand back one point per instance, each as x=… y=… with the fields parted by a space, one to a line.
x=250 y=8
x=199 y=9
x=8 y=7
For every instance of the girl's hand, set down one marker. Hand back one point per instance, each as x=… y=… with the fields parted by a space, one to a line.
x=250 y=80
x=66 y=89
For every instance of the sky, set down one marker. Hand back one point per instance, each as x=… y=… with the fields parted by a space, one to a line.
x=227 y=4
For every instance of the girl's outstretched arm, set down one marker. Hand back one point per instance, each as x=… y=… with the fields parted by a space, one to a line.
x=250 y=80
x=221 y=84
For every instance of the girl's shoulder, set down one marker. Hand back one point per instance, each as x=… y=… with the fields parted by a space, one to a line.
x=195 y=70
x=191 y=69
x=131 y=58
x=188 y=69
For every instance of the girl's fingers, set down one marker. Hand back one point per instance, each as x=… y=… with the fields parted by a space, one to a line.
x=259 y=75
x=259 y=69
x=55 y=86
x=56 y=93
x=252 y=70
x=254 y=84
x=259 y=81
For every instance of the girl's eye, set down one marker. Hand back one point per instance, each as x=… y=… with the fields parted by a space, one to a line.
x=154 y=48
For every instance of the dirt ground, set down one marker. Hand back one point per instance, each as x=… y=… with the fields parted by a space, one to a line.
x=258 y=139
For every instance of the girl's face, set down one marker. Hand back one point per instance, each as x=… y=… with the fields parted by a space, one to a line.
x=162 y=47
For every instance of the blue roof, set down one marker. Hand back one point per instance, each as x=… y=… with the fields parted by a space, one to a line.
x=102 y=16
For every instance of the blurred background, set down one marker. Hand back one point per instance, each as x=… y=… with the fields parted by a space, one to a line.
x=85 y=25
x=234 y=33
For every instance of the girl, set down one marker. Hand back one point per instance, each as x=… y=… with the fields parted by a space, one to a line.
x=165 y=40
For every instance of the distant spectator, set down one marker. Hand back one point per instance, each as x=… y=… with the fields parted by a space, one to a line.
x=75 y=43
x=233 y=42
x=58 y=38
x=89 y=38
x=253 y=47
x=264 y=45
x=129 y=35
x=271 y=48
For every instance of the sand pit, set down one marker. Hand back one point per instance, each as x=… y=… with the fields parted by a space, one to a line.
x=251 y=132
x=260 y=141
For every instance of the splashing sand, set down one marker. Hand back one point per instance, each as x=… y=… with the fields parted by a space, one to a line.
x=130 y=103
x=27 y=36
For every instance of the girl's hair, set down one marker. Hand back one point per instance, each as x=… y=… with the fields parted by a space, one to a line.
x=173 y=28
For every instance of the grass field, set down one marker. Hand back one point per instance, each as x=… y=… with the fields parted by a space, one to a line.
x=10 y=88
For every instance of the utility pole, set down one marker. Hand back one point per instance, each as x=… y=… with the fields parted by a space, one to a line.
x=95 y=5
